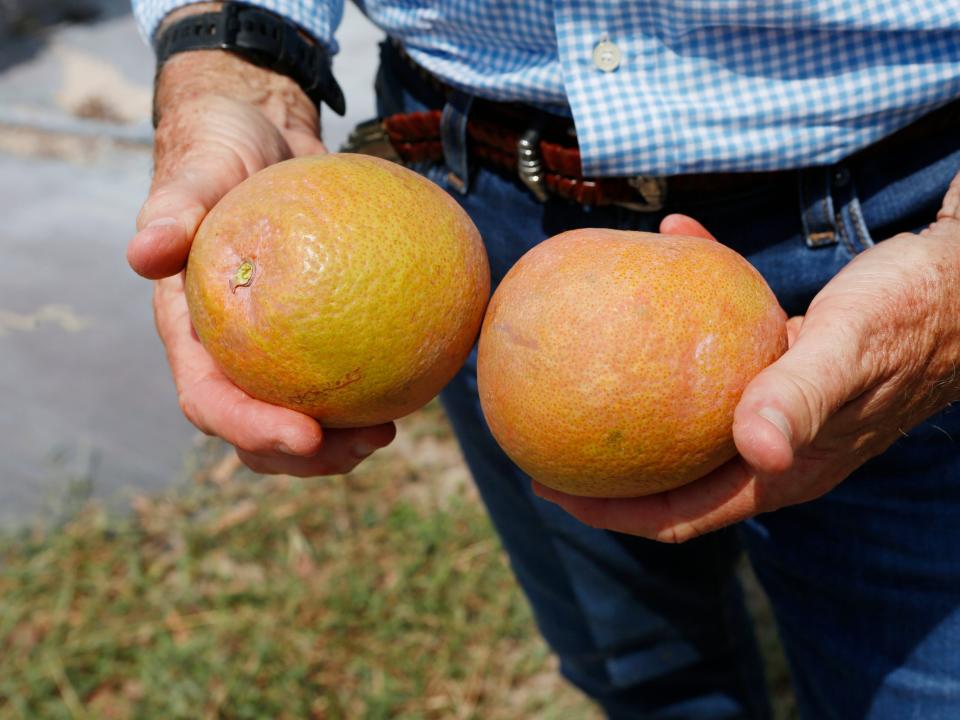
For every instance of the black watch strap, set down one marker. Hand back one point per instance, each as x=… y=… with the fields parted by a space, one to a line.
x=262 y=38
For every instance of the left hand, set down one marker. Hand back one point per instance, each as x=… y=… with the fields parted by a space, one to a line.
x=877 y=353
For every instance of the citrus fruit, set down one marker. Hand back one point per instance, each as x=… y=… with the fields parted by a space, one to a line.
x=342 y=286
x=610 y=362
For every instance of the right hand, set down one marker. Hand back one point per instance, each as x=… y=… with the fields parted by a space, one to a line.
x=206 y=143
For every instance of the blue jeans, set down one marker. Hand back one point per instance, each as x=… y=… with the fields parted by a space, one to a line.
x=864 y=582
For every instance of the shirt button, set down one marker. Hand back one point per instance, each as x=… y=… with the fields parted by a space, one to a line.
x=606 y=56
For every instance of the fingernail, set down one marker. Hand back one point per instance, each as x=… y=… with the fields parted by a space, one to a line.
x=362 y=448
x=778 y=420
x=282 y=447
x=287 y=446
x=163 y=222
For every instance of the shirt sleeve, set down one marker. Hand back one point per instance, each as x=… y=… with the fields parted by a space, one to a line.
x=320 y=18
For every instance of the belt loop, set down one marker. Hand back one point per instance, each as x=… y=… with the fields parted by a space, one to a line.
x=852 y=226
x=453 y=134
x=816 y=207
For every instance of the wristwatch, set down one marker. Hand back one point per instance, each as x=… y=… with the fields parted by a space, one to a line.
x=261 y=37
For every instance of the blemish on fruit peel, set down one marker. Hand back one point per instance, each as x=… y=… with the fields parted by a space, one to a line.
x=517 y=338
x=243 y=276
x=703 y=346
x=312 y=262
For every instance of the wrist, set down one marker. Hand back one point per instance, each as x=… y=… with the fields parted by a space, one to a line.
x=191 y=76
x=194 y=75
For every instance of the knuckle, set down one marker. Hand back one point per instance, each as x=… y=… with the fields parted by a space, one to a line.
x=188 y=407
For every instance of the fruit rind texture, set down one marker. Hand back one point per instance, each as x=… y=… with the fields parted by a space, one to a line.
x=342 y=286
x=610 y=362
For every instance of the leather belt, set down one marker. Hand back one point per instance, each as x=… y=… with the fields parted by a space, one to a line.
x=541 y=150
x=546 y=167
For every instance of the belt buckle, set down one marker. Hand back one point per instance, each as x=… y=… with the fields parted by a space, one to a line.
x=653 y=190
x=370 y=138
x=530 y=164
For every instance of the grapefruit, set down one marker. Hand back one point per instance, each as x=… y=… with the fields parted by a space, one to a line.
x=610 y=362
x=343 y=286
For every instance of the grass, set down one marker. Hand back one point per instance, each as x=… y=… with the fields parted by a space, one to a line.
x=384 y=594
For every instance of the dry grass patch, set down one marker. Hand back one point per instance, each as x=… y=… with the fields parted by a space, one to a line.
x=383 y=594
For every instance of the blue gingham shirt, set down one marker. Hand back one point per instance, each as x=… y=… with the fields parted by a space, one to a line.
x=700 y=86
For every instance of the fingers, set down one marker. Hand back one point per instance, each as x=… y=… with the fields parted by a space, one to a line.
x=677 y=224
x=725 y=496
x=268 y=438
x=214 y=404
x=166 y=226
x=304 y=143
x=179 y=200
x=341 y=452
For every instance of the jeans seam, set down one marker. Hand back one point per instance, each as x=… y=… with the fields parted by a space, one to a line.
x=860 y=225
x=844 y=235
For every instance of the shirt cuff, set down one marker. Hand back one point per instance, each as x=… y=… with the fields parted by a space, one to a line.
x=319 y=19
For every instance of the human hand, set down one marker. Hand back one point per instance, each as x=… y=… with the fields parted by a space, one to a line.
x=206 y=143
x=876 y=354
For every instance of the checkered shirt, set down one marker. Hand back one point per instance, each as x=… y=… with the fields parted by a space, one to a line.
x=698 y=85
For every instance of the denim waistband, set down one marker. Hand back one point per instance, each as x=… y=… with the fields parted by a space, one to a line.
x=837 y=204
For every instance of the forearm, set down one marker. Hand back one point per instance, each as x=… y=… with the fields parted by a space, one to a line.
x=191 y=76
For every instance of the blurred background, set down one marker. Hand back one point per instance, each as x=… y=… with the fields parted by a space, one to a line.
x=87 y=403
x=144 y=573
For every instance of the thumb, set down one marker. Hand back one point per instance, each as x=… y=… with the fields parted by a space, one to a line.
x=787 y=404
x=201 y=152
x=170 y=217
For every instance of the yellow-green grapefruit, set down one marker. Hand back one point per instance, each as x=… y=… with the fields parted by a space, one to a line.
x=343 y=286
